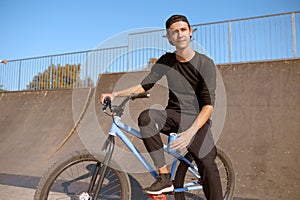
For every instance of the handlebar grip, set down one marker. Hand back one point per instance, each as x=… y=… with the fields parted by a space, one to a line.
x=140 y=95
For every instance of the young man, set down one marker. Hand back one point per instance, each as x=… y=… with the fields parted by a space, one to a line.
x=191 y=81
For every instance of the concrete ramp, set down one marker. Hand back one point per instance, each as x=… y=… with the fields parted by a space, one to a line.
x=262 y=128
x=260 y=135
x=32 y=125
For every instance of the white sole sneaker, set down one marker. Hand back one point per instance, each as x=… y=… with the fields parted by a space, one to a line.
x=165 y=190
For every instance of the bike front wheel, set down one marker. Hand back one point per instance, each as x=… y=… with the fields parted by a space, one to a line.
x=71 y=178
x=226 y=175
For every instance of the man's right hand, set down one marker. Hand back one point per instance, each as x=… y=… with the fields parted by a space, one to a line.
x=104 y=95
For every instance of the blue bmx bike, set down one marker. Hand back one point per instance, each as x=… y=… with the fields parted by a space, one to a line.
x=83 y=176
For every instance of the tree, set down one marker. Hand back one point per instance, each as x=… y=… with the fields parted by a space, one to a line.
x=151 y=62
x=67 y=76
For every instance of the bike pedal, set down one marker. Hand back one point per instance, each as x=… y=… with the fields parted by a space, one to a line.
x=85 y=196
x=158 y=196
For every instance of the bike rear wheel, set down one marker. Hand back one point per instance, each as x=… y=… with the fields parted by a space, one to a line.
x=71 y=177
x=226 y=174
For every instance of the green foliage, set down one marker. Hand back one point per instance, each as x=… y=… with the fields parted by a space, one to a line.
x=56 y=77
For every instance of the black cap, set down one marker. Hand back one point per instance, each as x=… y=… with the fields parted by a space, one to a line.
x=176 y=18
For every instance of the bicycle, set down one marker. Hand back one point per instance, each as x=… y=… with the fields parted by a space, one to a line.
x=82 y=176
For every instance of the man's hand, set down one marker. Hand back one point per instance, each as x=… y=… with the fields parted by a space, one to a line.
x=183 y=140
x=185 y=137
x=103 y=96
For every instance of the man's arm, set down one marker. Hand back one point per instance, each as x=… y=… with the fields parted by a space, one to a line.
x=136 y=89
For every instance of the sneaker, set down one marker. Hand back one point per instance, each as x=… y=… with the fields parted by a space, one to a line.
x=162 y=184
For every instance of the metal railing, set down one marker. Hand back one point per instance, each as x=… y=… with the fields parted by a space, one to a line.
x=271 y=37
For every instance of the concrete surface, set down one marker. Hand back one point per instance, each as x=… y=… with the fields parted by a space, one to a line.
x=261 y=132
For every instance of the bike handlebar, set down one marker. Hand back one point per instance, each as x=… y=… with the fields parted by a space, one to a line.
x=140 y=95
x=119 y=109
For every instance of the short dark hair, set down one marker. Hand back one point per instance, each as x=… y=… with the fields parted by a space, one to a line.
x=176 y=18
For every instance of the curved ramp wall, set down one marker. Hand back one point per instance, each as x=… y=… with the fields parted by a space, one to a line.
x=261 y=133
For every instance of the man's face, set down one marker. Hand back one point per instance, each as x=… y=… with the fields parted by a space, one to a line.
x=179 y=34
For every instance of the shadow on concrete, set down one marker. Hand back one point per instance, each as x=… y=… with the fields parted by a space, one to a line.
x=19 y=180
x=31 y=182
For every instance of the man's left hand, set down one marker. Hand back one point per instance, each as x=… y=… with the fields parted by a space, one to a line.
x=182 y=141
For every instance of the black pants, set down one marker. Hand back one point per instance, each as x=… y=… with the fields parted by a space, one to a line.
x=152 y=122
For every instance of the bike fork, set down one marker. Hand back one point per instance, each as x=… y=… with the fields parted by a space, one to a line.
x=94 y=177
x=108 y=147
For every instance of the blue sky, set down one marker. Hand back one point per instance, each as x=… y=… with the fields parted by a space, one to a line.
x=31 y=28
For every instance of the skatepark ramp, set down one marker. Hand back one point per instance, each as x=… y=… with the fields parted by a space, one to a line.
x=260 y=133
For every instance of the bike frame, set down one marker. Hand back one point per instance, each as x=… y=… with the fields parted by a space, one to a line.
x=117 y=129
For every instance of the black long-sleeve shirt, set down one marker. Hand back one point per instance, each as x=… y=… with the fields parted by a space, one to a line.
x=191 y=84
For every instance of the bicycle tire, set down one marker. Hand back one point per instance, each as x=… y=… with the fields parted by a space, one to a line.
x=226 y=174
x=69 y=177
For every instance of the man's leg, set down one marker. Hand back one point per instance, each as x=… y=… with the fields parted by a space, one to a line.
x=204 y=152
x=151 y=122
x=210 y=176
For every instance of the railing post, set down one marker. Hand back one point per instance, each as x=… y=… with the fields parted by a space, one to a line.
x=51 y=73
x=19 y=82
x=230 y=41
x=294 y=35
x=86 y=70
x=128 y=52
